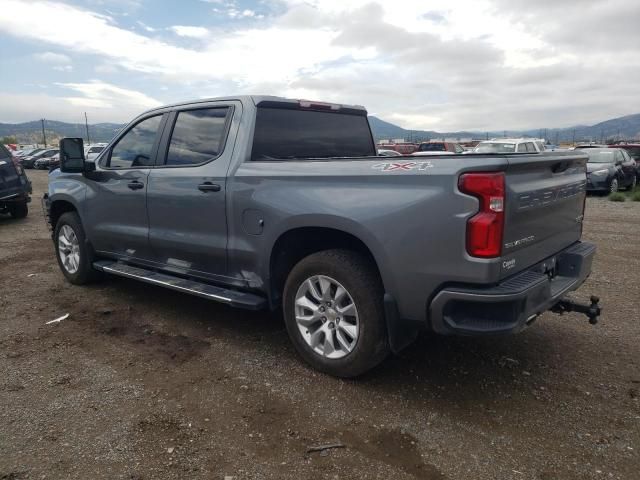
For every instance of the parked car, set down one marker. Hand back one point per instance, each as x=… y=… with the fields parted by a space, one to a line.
x=633 y=149
x=388 y=153
x=29 y=162
x=509 y=145
x=264 y=202
x=92 y=151
x=26 y=152
x=404 y=148
x=15 y=187
x=438 y=148
x=47 y=163
x=610 y=169
x=583 y=146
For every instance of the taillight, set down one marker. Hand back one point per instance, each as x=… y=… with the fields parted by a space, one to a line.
x=18 y=165
x=485 y=228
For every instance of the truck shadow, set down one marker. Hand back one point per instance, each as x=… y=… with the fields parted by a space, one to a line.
x=466 y=372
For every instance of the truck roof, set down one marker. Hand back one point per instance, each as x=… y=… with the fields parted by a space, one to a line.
x=270 y=99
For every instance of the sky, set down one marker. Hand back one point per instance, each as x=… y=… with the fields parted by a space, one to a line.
x=442 y=65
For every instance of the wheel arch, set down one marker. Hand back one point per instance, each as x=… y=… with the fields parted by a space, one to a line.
x=293 y=244
x=58 y=207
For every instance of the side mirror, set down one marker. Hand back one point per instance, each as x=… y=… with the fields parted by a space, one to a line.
x=71 y=155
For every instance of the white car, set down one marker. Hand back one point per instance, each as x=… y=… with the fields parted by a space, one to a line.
x=91 y=152
x=510 y=145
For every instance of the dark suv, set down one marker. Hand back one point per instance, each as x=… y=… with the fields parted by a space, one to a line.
x=15 y=187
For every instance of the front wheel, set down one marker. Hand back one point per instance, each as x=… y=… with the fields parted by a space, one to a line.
x=334 y=312
x=74 y=254
x=613 y=186
x=19 y=210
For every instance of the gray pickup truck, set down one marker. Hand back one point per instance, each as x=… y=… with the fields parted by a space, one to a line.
x=264 y=202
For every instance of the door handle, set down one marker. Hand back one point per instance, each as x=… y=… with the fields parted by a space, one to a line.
x=209 y=187
x=135 y=185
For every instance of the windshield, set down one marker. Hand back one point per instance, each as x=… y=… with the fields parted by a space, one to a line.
x=495 y=147
x=432 y=147
x=601 y=157
x=284 y=133
x=634 y=152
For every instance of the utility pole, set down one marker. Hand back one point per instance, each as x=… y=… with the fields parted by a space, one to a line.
x=86 y=124
x=44 y=137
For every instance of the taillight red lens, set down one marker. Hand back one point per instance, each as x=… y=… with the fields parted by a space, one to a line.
x=485 y=229
x=18 y=165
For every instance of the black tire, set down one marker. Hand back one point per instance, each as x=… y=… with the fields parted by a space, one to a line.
x=19 y=210
x=85 y=272
x=360 y=278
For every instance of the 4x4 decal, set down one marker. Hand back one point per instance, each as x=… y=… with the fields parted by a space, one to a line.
x=391 y=166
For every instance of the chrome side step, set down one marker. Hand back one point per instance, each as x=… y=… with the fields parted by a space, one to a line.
x=230 y=297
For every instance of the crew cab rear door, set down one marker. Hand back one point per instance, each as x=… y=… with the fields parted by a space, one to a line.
x=545 y=195
x=187 y=189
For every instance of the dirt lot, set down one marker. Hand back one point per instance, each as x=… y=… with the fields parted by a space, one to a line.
x=142 y=383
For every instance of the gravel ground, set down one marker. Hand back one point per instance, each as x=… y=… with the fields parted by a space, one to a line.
x=143 y=383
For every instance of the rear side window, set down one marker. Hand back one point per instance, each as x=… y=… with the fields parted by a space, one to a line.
x=287 y=134
x=135 y=149
x=4 y=153
x=522 y=148
x=198 y=136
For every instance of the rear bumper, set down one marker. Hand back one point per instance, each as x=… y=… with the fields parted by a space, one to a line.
x=514 y=303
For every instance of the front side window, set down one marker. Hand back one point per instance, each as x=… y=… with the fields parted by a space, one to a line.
x=135 y=148
x=522 y=148
x=531 y=148
x=198 y=136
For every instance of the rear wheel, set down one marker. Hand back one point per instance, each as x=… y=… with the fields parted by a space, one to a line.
x=614 y=186
x=334 y=313
x=19 y=210
x=74 y=254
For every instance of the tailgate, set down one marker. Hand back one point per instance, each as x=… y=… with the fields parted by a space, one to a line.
x=544 y=208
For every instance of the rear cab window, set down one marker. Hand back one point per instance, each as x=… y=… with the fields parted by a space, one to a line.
x=293 y=133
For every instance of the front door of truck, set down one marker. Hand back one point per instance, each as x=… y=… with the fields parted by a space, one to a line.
x=116 y=202
x=187 y=190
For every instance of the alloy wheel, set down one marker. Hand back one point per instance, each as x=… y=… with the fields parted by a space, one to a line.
x=69 y=249
x=327 y=317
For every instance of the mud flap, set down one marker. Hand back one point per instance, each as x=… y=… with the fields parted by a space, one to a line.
x=402 y=333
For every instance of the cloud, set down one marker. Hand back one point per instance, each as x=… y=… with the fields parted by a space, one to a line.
x=189 y=31
x=469 y=64
x=53 y=58
x=97 y=94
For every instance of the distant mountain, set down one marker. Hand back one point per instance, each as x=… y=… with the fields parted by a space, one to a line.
x=627 y=127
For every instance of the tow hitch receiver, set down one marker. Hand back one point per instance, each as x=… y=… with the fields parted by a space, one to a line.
x=592 y=311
